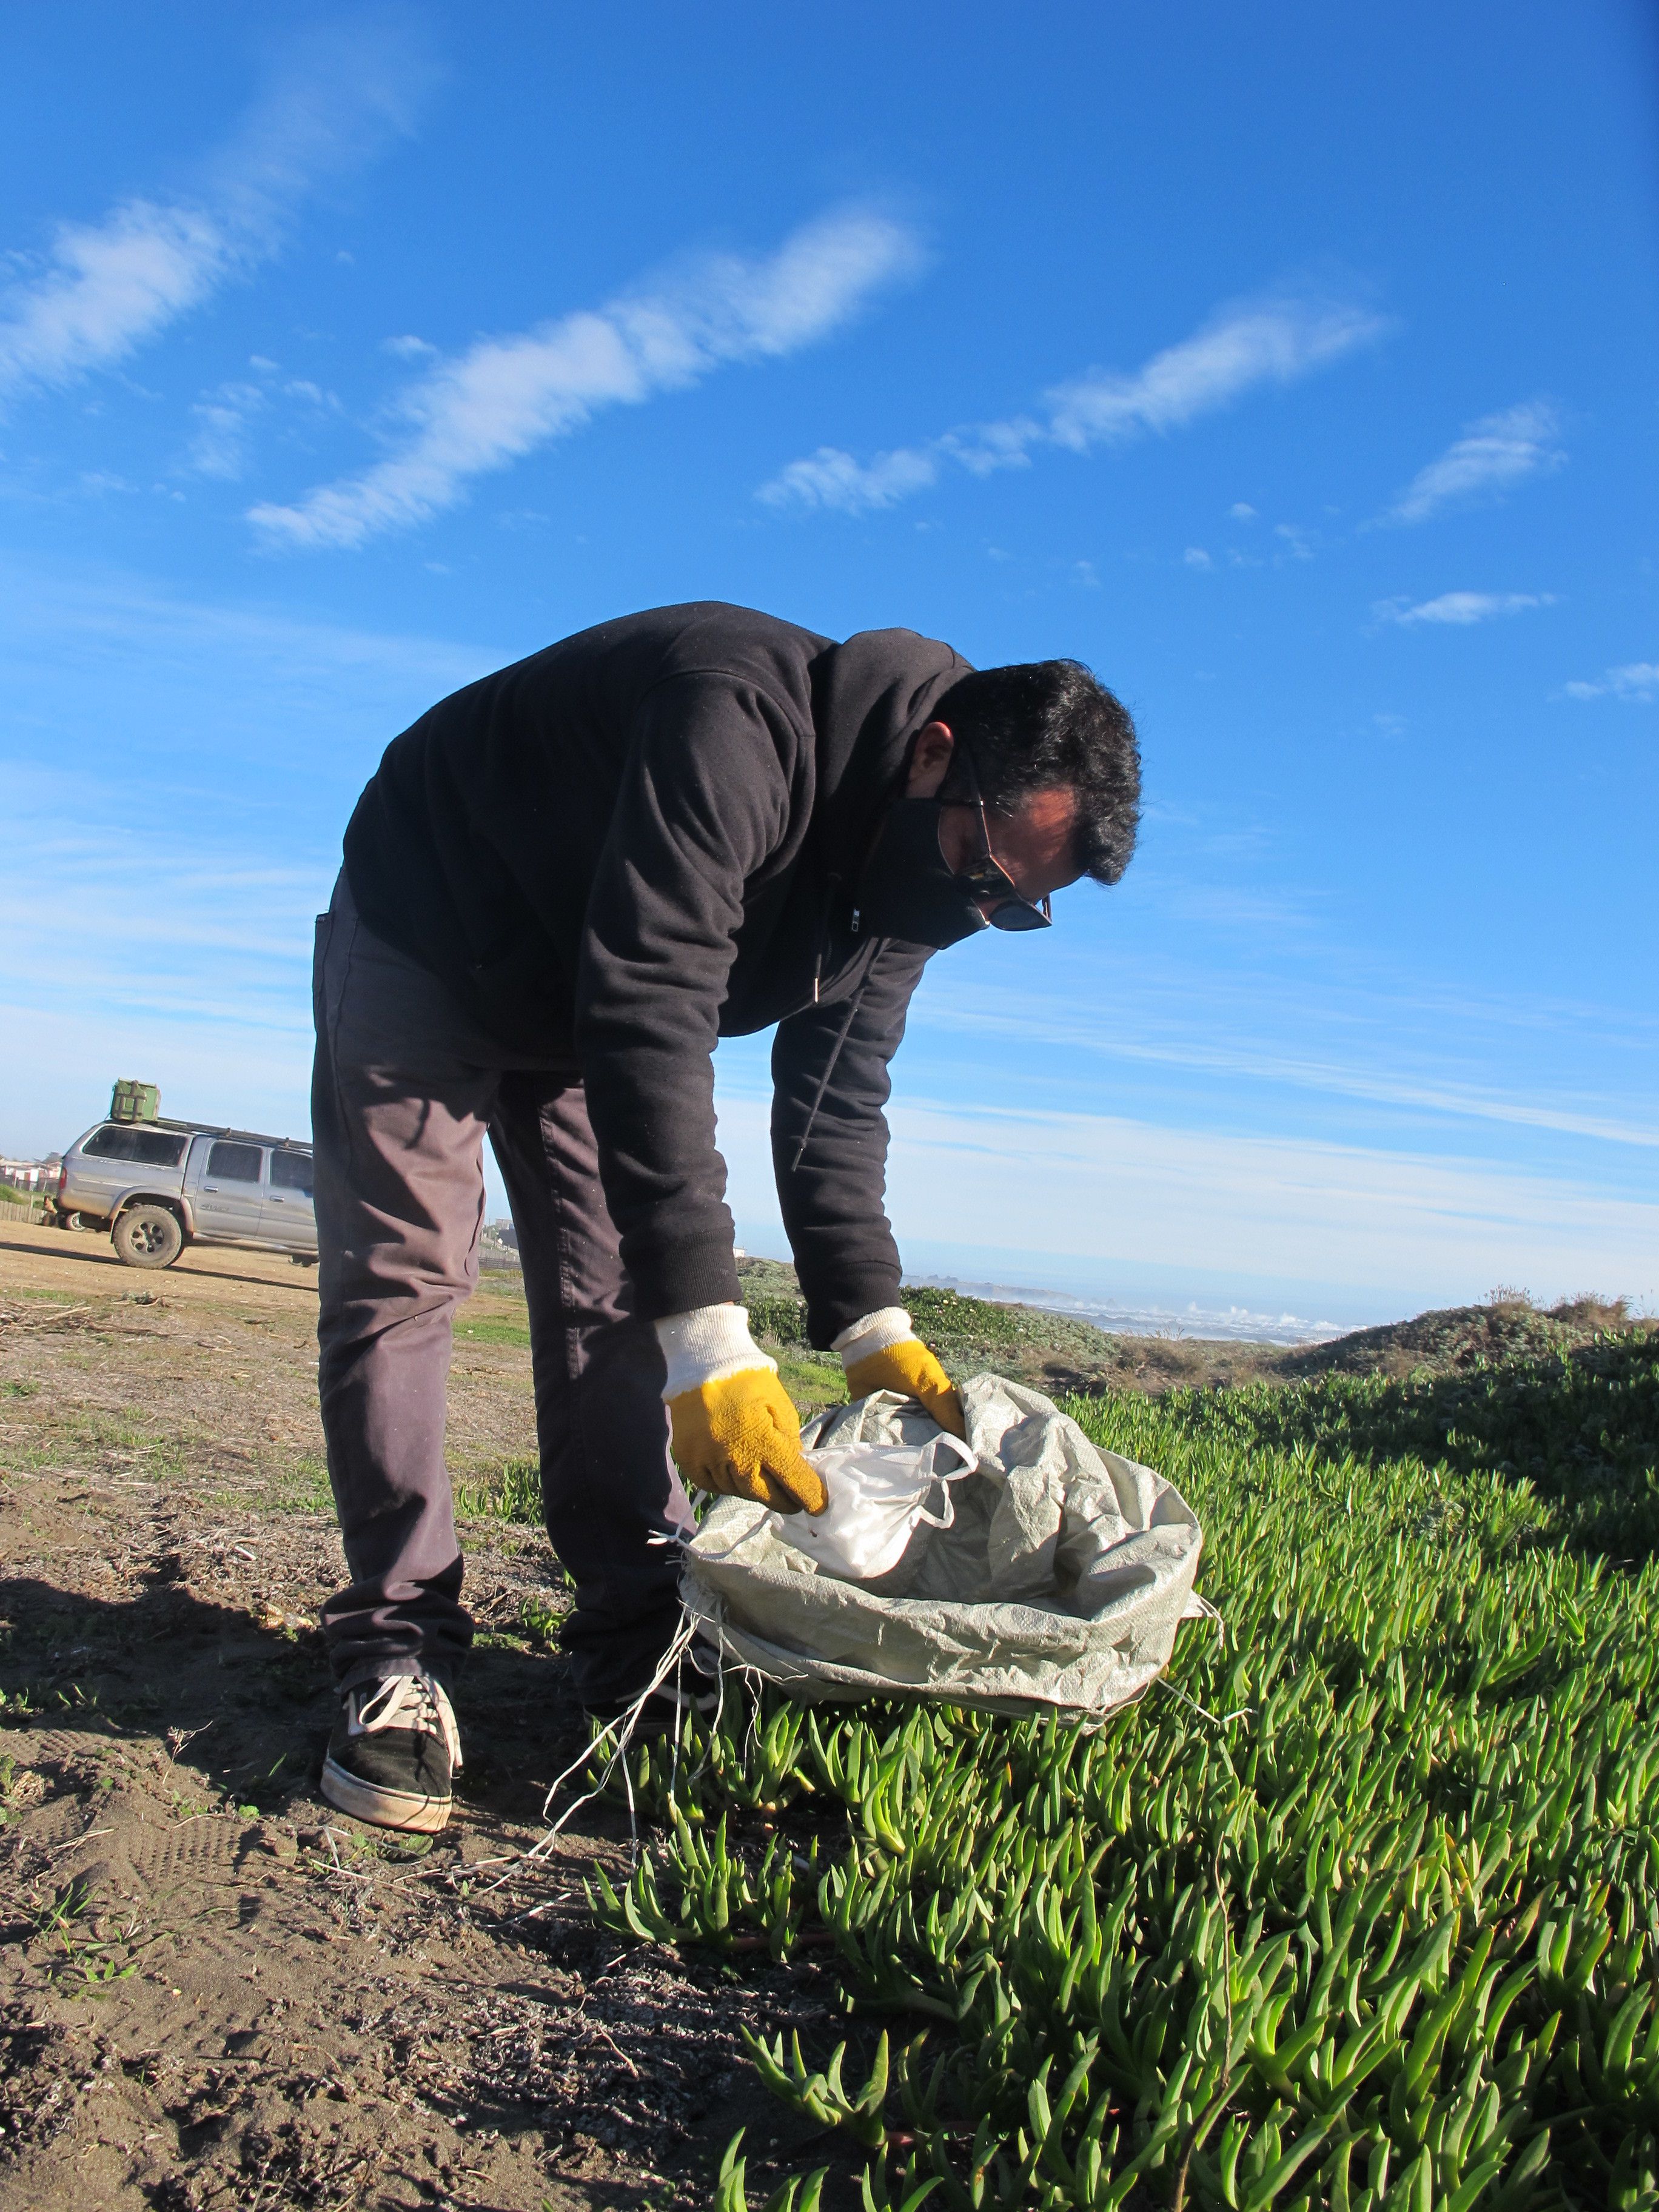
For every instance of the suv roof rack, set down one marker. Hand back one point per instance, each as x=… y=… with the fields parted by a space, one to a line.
x=212 y=1129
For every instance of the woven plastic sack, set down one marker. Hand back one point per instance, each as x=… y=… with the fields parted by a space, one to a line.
x=1060 y=1582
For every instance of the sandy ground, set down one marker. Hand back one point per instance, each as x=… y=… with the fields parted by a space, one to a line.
x=214 y=1991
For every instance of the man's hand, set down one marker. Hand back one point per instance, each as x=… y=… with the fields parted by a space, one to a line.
x=740 y=1435
x=733 y=1427
x=882 y=1353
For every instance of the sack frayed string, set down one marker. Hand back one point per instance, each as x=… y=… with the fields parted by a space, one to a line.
x=623 y=1729
x=1217 y=1720
x=623 y=1726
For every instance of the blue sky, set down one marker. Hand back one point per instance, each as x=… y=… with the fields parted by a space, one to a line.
x=1294 y=366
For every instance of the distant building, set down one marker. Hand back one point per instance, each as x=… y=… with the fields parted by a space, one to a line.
x=498 y=1245
x=30 y=1175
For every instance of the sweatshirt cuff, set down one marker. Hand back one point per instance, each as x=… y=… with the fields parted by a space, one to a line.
x=873 y=1333
x=706 y=1345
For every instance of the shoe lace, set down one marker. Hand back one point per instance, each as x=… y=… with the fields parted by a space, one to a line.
x=408 y=1701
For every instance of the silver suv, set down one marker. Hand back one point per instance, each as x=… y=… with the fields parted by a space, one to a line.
x=158 y=1186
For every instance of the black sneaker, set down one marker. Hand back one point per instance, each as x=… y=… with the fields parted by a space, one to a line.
x=393 y=1754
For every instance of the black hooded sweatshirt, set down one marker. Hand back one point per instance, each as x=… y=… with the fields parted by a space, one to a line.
x=645 y=838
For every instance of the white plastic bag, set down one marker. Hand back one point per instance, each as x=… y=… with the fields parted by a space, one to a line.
x=878 y=1495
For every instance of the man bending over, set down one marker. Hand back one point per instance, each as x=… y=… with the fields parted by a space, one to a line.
x=561 y=887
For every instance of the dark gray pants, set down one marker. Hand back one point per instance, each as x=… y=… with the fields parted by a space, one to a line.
x=404 y=1089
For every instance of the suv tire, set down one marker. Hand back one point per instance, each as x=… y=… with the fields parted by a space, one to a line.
x=147 y=1236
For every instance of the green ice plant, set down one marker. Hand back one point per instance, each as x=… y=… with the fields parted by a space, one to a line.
x=801 y=2193
x=1360 y=1908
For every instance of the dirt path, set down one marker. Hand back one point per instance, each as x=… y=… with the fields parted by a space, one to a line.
x=214 y=1991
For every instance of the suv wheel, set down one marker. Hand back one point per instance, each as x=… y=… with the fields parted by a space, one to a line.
x=147 y=1236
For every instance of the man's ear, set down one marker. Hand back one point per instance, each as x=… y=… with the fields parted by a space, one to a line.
x=930 y=760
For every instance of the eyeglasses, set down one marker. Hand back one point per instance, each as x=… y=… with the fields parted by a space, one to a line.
x=1004 y=905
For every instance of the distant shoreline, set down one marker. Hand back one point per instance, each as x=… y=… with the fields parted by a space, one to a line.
x=1216 y=1325
x=1229 y=1325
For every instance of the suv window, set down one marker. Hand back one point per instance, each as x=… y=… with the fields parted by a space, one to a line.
x=150 y=1148
x=235 y=1162
x=291 y=1171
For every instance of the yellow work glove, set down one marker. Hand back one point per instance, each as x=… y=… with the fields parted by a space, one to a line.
x=732 y=1428
x=741 y=1435
x=882 y=1353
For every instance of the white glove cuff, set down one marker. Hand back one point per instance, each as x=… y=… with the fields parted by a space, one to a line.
x=874 y=1333
x=706 y=1345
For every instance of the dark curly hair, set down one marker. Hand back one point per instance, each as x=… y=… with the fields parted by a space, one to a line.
x=1047 y=723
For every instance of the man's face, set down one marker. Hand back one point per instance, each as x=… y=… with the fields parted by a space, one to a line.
x=1035 y=848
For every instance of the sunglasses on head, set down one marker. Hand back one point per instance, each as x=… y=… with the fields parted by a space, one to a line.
x=989 y=881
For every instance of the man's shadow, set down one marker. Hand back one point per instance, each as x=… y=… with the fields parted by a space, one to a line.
x=246 y=1702
x=245 y=1707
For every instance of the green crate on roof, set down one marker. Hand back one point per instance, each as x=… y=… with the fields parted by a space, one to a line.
x=135 y=1101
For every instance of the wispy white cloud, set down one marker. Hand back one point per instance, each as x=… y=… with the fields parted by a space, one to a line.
x=95 y=482
x=1341 y=1066
x=1431 y=1224
x=225 y=418
x=1196 y=557
x=1120 y=1193
x=830 y=477
x=1272 y=342
x=223 y=426
x=217 y=747
x=110 y=287
x=113 y=665
x=506 y=396
x=1493 y=454
x=1637 y=679
x=103 y=288
x=1259 y=343
x=1460 y=609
